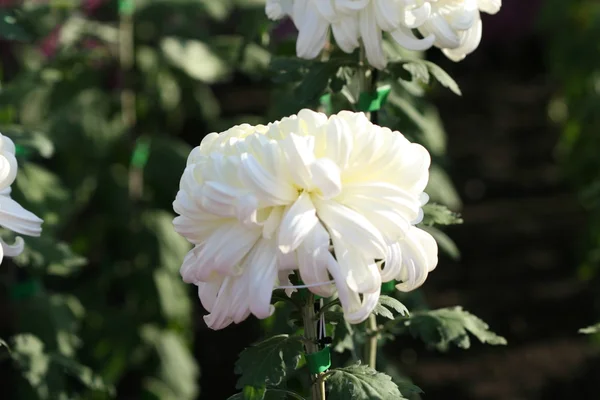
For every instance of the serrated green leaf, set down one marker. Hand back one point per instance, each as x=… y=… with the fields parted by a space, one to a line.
x=418 y=71
x=590 y=330
x=385 y=303
x=268 y=362
x=360 y=382
x=440 y=328
x=437 y=214
x=443 y=77
x=382 y=311
x=421 y=71
x=394 y=304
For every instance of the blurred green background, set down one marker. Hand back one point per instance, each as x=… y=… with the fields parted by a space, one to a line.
x=106 y=100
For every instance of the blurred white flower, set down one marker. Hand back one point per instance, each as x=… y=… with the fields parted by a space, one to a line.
x=456 y=25
x=452 y=25
x=12 y=215
x=351 y=21
x=259 y=202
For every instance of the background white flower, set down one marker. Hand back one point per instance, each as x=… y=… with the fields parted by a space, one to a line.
x=351 y=21
x=451 y=25
x=456 y=25
x=260 y=202
x=12 y=215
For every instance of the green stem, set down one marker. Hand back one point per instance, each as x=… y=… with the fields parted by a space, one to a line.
x=368 y=83
x=310 y=333
x=371 y=345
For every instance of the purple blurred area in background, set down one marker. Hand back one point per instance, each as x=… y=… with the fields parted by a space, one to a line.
x=516 y=19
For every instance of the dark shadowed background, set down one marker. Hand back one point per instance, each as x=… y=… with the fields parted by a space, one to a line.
x=522 y=152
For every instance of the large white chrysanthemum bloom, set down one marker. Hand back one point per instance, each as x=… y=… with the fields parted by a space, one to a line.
x=262 y=202
x=351 y=21
x=12 y=215
x=456 y=25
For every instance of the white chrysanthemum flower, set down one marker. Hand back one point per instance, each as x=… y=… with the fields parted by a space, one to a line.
x=260 y=202
x=351 y=21
x=456 y=25
x=12 y=215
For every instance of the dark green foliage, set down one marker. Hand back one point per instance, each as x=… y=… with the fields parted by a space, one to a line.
x=437 y=214
x=447 y=326
x=268 y=362
x=359 y=382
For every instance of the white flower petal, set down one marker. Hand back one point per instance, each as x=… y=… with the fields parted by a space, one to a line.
x=299 y=152
x=352 y=226
x=262 y=273
x=297 y=223
x=361 y=272
x=470 y=42
x=404 y=37
x=489 y=6
x=313 y=257
x=345 y=32
x=356 y=310
x=371 y=35
x=419 y=251
x=326 y=178
x=14 y=217
x=264 y=184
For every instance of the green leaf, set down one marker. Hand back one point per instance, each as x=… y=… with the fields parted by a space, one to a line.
x=84 y=374
x=268 y=362
x=254 y=393
x=10 y=29
x=195 y=58
x=440 y=328
x=590 y=329
x=342 y=337
x=55 y=258
x=385 y=303
x=418 y=71
x=28 y=352
x=361 y=382
x=315 y=82
x=178 y=369
x=445 y=243
x=437 y=214
x=421 y=71
x=443 y=77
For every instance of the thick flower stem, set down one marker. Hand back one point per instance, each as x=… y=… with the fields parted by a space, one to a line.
x=371 y=345
x=310 y=334
x=368 y=83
